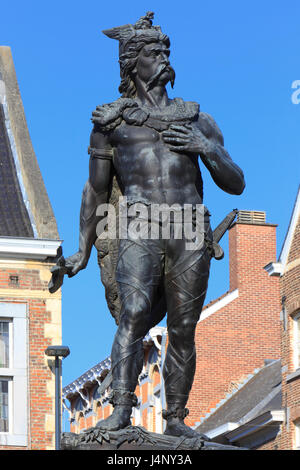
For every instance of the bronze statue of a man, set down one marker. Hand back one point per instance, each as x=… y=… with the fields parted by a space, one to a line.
x=150 y=144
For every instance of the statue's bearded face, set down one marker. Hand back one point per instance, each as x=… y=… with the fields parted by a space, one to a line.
x=153 y=66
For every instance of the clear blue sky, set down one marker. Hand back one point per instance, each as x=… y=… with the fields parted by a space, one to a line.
x=237 y=59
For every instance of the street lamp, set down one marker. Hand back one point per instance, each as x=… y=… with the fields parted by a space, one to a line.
x=58 y=352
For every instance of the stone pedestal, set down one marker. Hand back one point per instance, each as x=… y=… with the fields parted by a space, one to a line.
x=135 y=438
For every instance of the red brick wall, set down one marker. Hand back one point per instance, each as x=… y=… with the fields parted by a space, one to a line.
x=290 y=288
x=236 y=339
x=156 y=377
x=39 y=403
x=27 y=279
x=274 y=444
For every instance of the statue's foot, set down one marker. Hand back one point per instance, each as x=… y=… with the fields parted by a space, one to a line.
x=175 y=423
x=178 y=428
x=119 y=419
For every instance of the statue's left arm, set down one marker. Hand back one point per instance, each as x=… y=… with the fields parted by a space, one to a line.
x=205 y=139
x=225 y=173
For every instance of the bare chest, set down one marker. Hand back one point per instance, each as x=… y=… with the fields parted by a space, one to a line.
x=130 y=136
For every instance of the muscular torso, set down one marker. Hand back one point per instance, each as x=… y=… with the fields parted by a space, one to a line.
x=150 y=172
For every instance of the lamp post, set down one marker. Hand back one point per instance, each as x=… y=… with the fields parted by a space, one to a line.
x=58 y=352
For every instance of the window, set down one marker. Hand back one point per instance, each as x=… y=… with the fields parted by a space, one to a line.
x=5 y=363
x=296 y=341
x=13 y=374
x=4 y=420
x=297 y=435
x=4 y=343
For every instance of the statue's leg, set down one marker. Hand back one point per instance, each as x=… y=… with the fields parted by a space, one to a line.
x=186 y=284
x=138 y=275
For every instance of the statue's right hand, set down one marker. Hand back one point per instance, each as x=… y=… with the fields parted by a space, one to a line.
x=76 y=263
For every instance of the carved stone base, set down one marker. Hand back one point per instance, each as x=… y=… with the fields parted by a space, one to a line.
x=135 y=438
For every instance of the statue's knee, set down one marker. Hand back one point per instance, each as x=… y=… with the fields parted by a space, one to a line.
x=182 y=333
x=135 y=315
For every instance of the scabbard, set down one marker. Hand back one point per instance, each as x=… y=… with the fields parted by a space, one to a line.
x=220 y=230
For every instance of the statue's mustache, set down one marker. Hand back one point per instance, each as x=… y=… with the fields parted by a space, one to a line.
x=162 y=68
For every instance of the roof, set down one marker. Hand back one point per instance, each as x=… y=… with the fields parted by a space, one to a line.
x=212 y=302
x=25 y=209
x=260 y=392
x=89 y=377
x=283 y=257
x=278 y=268
x=14 y=217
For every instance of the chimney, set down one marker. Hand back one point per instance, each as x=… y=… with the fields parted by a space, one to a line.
x=252 y=245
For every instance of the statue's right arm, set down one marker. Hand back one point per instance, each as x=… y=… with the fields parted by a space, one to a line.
x=95 y=192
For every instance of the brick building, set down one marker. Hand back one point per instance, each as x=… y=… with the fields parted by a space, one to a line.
x=235 y=335
x=264 y=412
x=250 y=416
x=29 y=319
x=88 y=405
x=240 y=330
x=287 y=268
